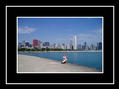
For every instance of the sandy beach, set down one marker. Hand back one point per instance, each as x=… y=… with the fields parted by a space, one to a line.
x=37 y=64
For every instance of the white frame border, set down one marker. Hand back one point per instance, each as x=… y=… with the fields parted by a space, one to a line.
x=62 y=72
x=61 y=83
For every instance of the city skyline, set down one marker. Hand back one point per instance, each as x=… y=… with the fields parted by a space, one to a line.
x=60 y=30
x=38 y=44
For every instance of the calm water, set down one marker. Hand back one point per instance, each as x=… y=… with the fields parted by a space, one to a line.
x=90 y=59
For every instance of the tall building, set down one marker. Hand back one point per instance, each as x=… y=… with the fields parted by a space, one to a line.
x=19 y=45
x=75 y=42
x=99 y=46
x=51 y=45
x=30 y=45
x=59 y=46
x=35 y=43
x=63 y=46
x=85 y=46
x=27 y=44
x=79 y=47
x=39 y=44
x=54 y=45
x=71 y=46
x=23 y=43
x=68 y=46
x=46 y=44
x=92 y=47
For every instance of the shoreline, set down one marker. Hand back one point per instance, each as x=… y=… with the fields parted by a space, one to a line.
x=34 y=64
x=53 y=51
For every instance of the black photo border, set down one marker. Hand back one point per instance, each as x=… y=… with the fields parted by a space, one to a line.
x=19 y=77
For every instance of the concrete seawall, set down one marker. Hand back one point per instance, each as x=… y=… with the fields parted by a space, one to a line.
x=37 y=64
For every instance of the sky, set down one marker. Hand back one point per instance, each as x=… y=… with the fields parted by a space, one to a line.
x=60 y=30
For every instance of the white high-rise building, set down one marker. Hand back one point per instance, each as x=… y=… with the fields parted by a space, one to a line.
x=75 y=42
x=40 y=44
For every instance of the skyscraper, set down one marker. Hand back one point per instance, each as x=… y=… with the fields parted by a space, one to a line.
x=23 y=43
x=68 y=46
x=71 y=44
x=35 y=43
x=19 y=45
x=39 y=44
x=54 y=45
x=75 y=42
x=63 y=46
x=27 y=44
x=92 y=47
x=99 y=46
x=85 y=46
x=59 y=46
x=79 y=47
x=46 y=44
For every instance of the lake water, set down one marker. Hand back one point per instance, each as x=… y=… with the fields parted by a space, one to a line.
x=90 y=59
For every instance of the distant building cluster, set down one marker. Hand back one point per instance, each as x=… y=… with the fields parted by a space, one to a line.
x=72 y=45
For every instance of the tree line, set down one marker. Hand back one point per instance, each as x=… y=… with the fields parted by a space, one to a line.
x=43 y=49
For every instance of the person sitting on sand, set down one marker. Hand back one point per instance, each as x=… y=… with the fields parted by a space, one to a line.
x=64 y=59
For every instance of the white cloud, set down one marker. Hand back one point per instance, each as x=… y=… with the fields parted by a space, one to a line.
x=26 y=30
